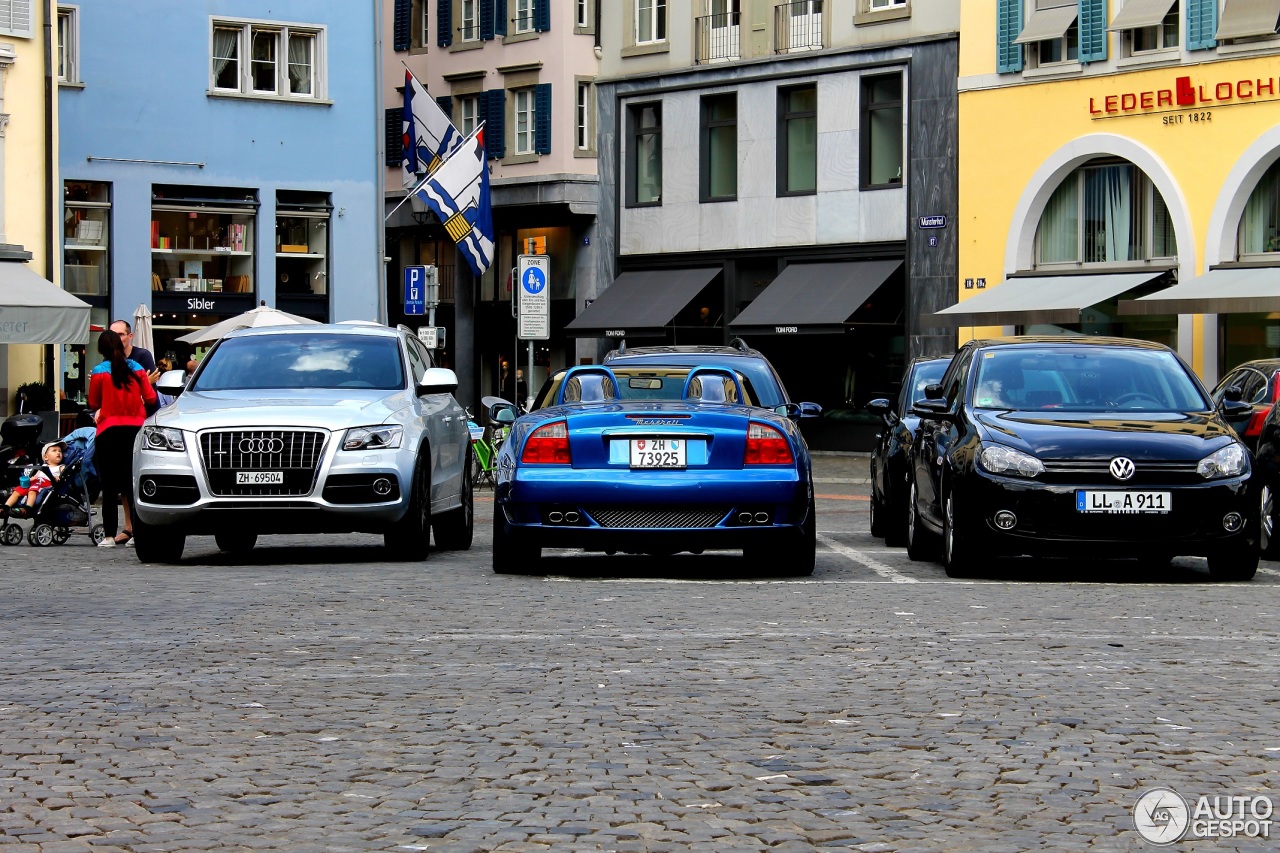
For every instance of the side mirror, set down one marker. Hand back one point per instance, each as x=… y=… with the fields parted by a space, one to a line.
x=172 y=382
x=933 y=392
x=1233 y=408
x=503 y=413
x=810 y=410
x=881 y=407
x=795 y=411
x=935 y=409
x=1233 y=394
x=437 y=380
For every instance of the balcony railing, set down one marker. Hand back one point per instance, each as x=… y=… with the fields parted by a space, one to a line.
x=717 y=38
x=797 y=26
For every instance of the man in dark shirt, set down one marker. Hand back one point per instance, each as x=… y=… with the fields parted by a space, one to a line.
x=141 y=355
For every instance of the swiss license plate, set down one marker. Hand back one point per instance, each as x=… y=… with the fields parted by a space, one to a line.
x=658 y=453
x=259 y=478
x=1124 y=502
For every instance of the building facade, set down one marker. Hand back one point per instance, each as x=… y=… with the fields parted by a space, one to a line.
x=235 y=161
x=1117 y=150
x=784 y=173
x=525 y=70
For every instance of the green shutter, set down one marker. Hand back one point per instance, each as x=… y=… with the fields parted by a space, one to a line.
x=1008 y=26
x=444 y=22
x=1093 y=30
x=542 y=118
x=1202 y=23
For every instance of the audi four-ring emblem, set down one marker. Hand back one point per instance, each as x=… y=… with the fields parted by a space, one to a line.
x=260 y=445
x=1122 y=468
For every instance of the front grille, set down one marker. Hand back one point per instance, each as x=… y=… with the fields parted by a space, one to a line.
x=295 y=453
x=646 y=518
x=1097 y=472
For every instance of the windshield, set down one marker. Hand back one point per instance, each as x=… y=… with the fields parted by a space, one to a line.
x=1085 y=379
x=646 y=383
x=302 y=361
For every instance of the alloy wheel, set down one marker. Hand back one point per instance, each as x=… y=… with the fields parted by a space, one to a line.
x=911 y=515
x=1268 y=518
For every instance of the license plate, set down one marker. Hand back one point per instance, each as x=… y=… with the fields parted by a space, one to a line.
x=1124 y=502
x=658 y=453
x=259 y=478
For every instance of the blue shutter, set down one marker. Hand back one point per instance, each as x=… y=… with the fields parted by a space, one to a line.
x=486 y=21
x=395 y=135
x=444 y=22
x=542 y=15
x=1008 y=26
x=446 y=104
x=1202 y=23
x=542 y=118
x=500 y=17
x=1093 y=30
x=495 y=113
x=400 y=27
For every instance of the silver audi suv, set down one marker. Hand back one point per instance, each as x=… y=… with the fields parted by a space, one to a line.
x=306 y=429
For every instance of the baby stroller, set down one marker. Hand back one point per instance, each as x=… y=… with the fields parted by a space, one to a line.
x=59 y=508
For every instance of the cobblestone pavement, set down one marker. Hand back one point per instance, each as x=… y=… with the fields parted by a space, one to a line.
x=317 y=698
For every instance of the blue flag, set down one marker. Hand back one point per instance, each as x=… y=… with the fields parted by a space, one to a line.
x=458 y=193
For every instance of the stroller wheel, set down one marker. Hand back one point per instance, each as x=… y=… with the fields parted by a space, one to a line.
x=97 y=533
x=61 y=535
x=40 y=535
x=12 y=534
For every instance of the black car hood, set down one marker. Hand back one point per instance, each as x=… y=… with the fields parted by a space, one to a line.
x=1169 y=436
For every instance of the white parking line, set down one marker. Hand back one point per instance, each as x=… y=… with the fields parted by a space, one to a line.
x=1272 y=572
x=861 y=558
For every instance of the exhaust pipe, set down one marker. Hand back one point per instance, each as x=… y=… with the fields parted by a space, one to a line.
x=762 y=518
x=571 y=517
x=744 y=517
x=555 y=517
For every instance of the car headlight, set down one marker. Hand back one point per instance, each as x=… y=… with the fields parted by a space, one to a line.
x=1230 y=461
x=372 y=438
x=998 y=459
x=163 y=438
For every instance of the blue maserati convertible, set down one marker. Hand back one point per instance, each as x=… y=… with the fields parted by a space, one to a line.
x=654 y=459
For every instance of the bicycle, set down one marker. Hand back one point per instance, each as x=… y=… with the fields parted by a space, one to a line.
x=485 y=444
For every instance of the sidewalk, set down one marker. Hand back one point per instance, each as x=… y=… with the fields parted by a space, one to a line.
x=832 y=467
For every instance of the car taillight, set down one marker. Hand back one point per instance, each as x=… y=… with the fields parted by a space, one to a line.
x=548 y=445
x=1254 y=428
x=766 y=446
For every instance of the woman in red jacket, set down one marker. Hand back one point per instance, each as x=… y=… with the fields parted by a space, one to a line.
x=119 y=391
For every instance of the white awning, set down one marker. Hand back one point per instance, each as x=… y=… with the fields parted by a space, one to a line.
x=1244 y=290
x=35 y=311
x=1039 y=299
x=1048 y=24
x=1245 y=18
x=1135 y=14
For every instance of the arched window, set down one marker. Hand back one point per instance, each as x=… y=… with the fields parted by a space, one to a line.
x=1260 y=225
x=1105 y=212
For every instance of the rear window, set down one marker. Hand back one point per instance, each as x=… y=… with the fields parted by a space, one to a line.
x=302 y=361
x=644 y=383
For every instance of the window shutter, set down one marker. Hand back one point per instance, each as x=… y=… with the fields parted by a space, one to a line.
x=542 y=15
x=395 y=135
x=444 y=22
x=15 y=18
x=500 y=17
x=446 y=104
x=542 y=118
x=1202 y=23
x=486 y=21
x=1093 y=30
x=495 y=113
x=1008 y=26
x=400 y=25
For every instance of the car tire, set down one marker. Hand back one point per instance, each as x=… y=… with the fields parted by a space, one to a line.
x=155 y=544
x=895 y=520
x=1239 y=564
x=958 y=557
x=1269 y=543
x=920 y=543
x=409 y=539
x=510 y=555
x=806 y=556
x=876 y=515
x=455 y=529
x=236 y=541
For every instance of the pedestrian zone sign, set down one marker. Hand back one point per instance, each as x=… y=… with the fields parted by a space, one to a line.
x=533 y=304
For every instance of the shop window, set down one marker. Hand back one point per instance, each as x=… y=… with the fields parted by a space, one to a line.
x=68 y=45
x=798 y=140
x=86 y=239
x=650 y=21
x=1106 y=213
x=266 y=60
x=881 y=131
x=644 y=159
x=1259 y=234
x=302 y=252
x=719 y=138
x=202 y=240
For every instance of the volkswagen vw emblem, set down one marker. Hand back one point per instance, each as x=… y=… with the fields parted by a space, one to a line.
x=1122 y=468
x=275 y=445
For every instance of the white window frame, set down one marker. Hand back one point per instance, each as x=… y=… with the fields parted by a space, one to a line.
x=524 y=16
x=582 y=13
x=524 y=139
x=470 y=20
x=656 y=14
x=282 y=32
x=68 y=43
x=582 y=116
x=468 y=113
x=880 y=5
x=1131 y=36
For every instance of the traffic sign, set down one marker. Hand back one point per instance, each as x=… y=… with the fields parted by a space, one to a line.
x=415 y=290
x=427 y=334
x=533 y=303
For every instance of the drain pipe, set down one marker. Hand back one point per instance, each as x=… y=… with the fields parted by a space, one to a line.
x=50 y=170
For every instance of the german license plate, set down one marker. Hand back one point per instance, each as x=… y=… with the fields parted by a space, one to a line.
x=658 y=453
x=259 y=478
x=1124 y=502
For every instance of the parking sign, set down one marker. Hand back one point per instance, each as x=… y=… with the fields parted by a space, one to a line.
x=415 y=290
x=533 y=305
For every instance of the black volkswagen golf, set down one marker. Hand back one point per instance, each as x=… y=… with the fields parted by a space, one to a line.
x=1086 y=447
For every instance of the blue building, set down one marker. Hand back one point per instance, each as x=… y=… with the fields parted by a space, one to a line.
x=218 y=155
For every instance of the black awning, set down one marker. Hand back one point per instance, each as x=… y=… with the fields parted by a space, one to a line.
x=813 y=298
x=640 y=304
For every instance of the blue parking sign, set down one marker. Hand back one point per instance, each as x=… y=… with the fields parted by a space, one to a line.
x=415 y=290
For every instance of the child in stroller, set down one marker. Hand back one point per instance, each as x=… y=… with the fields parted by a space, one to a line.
x=63 y=505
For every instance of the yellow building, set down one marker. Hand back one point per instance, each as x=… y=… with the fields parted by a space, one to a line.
x=28 y=159
x=1112 y=151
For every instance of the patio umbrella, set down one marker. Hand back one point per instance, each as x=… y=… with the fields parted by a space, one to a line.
x=142 y=336
x=263 y=315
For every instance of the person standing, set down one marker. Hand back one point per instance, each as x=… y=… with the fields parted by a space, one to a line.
x=120 y=392
x=141 y=355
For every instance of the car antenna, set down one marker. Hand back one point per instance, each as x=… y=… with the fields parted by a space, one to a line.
x=622 y=347
x=739 y=344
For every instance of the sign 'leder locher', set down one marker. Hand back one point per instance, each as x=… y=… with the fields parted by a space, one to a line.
x=1185 y=93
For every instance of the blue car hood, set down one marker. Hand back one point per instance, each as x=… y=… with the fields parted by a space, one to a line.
x=1168 y=436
